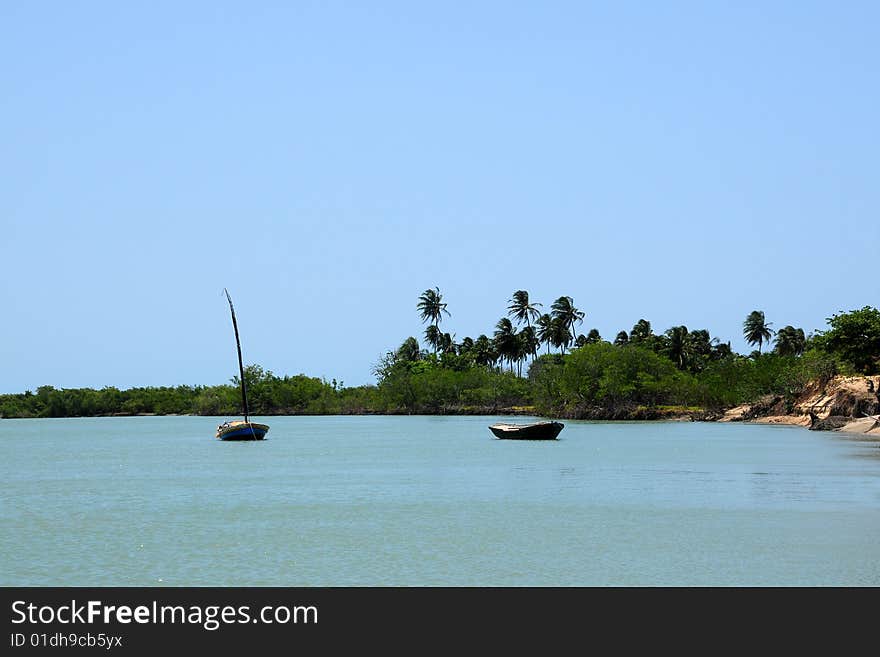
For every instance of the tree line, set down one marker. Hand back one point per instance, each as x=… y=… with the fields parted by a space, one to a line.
x=534 y=361
x=515 y=342
x=637 y=373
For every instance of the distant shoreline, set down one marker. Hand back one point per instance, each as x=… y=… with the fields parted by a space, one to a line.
x=868 y=427
x=835 y=403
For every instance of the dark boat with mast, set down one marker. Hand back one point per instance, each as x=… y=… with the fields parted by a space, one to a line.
x=240 y=429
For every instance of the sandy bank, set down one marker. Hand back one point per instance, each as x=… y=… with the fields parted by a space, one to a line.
x=866 y=425
x=846 y=403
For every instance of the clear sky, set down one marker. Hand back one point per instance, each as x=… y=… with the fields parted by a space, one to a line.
x=685 y=162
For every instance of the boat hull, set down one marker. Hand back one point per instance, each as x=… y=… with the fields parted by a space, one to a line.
x=536 y=431
x=240 y=430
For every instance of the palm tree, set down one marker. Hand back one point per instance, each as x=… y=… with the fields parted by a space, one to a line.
x=447 y=344
x=431 y=307
x=409 y=351
x=790 y=341
x=564 y=310
x=545 y=330
x=701 y=342
x=434 y=337
x=678 y=346
x=756 y=329
x=560 y=336
x=521 y=309
x=699 y=346
x=641 y=332
x=530 y=343
x=506 y=341
x=720 y=351
x=484 y=352
x=521 y=351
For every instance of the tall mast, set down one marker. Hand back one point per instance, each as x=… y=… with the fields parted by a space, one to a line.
x=240 y=366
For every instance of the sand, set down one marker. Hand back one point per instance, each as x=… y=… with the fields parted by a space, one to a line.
x=820 y=403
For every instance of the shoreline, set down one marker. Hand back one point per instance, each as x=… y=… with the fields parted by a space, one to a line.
x=868 y=427
x=847 y=404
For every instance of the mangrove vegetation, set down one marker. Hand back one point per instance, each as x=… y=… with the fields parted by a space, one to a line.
x=530 y=361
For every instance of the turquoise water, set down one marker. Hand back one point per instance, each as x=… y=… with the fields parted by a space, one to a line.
x=349 y=501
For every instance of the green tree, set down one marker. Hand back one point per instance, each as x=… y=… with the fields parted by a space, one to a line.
x=608 y=378
x=545 y=330
x=529 y=343
x=563 y=309
x=756 y=329
x=790 y=341
x=855 y=338
x=560 y=336
x=641 y=332
x=409 y=351
x=434 y=337
x=447 y=344
x=677 y=346
x=621 y=339
x=700 y=346
x=484 y=352
x=522 y=309
x=403 y=357
x=431 y=308
x=720 y=351
x=506 y=341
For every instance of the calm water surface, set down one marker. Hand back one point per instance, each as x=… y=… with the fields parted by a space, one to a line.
x=347 y=501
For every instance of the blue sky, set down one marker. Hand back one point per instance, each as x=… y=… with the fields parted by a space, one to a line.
x=685 y=162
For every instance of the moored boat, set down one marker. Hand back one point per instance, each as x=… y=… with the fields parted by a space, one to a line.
x=534 y=431
x=241 y=430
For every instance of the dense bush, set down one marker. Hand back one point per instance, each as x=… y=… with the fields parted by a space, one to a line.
x=607 y=376
x=678 y=369
x=855 y=338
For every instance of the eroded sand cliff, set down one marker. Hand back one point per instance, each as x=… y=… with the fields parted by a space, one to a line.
x=845 y=403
